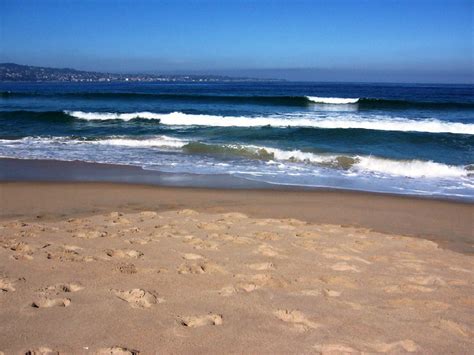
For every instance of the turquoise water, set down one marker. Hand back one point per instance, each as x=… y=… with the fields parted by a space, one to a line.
x=407 y=139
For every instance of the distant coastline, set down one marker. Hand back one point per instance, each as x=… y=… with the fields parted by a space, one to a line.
x=11 y=72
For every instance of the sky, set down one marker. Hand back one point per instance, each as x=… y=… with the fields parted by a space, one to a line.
x=338 y=40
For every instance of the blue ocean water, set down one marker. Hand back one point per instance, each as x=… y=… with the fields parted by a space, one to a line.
x=407 y=139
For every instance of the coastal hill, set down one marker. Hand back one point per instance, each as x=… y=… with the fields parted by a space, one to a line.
x=16 y=72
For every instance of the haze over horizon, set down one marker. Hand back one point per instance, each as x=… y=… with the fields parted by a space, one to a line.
x=389 y=41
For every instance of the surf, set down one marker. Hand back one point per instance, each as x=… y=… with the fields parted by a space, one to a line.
x=381 y=123
x=351 y=163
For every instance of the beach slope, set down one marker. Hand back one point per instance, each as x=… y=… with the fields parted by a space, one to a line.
x=98 y=268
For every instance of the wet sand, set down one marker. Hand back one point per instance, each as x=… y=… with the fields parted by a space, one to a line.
x=449 y=223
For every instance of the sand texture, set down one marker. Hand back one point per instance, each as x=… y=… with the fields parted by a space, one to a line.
x=182 y=281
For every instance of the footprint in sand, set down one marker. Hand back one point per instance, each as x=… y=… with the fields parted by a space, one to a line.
x=247 y=286
x=199 y=321
x=326 y=292
x=233 y=239
x=198 y=243
x=404 y=288
x=115 y=214
x=6 y=285
x=42 y=350
x=242 y=286
x=261 y=266
x=21 y=257
x=138 y=298
x=294 y=222
x=454 y=328
x=234 y=215
x=267 y=236
x=344 y=267
x=200 y=268
x=148 y=214
x=132 y=230
x=22 y=247
x=22 y=250
x=308 y=234
x=338 y=281
x=63 y=287
x=267 y=250
x=127 y=269
x=396 y=347
x=121 y=220
x=227 y=291
x=251 y=283
x=460 y=269
x=307 y=244
x=296 y=318
x=90 y=234
x=312 y=293
x=190 y=256
x=433 y=306
x=427 y=280
x=331 y=293
x=47 y=302
x=336 y=349
x=124 y=253
x=139 y=241
x=187 y=212
x=68 y=253
x=117 y=350
x=210 y=226
x=346 y=258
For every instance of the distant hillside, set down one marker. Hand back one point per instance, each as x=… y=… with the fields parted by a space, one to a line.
x=17 y=72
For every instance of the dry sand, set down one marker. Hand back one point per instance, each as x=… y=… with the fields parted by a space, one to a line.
x=178 y=280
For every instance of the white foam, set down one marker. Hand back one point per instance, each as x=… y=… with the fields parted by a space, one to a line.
x=410 y=168
x=159 y=141
x=104 y=116
x=404 y=168
x=299 y=156
x=156 y=141
x=282 y=158
x=332 y=100
x=383 y=123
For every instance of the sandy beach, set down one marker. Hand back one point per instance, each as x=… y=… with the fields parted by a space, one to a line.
x=113 y=268
x=229 y=177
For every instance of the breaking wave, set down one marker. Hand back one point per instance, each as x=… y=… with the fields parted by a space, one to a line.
x=278 y=100
x=350 y=163
x=382 y=123
x=406 y=168
x=332 y=100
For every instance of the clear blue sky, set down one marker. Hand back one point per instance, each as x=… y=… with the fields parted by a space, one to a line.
x=376 y=40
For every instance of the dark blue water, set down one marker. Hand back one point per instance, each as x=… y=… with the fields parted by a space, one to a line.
x=415 y=139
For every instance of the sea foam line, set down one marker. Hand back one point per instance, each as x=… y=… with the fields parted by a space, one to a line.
x=352 y=163
x=382 y=123
x=161 y=141
x=405 y=168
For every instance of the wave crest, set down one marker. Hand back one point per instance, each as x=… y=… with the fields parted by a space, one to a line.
x=278 y=100
x=382 y=123
x=332 y=100
x=406 y=168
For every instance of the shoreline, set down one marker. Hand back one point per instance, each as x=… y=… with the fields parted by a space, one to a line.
x=45 y=170
x=448 y=223
x=289 y=270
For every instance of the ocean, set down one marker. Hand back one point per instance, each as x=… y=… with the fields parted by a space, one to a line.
x=393 y=138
